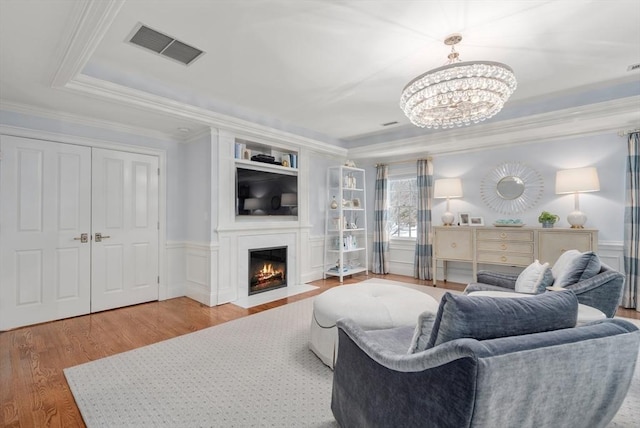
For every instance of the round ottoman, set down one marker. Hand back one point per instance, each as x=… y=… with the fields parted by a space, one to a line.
x=373 y=306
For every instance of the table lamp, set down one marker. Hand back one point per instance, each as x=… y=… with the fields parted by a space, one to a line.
x=447 y=188
x=577 y=180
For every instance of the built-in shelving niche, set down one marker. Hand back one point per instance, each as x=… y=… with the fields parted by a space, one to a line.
x=266 y=182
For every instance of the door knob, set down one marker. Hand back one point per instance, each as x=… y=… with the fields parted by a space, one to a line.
x=100 y=237
x=84 y=238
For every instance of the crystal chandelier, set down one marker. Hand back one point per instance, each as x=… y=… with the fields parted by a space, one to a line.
x=458 y=93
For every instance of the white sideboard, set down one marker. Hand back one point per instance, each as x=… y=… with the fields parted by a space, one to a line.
x=508 y=246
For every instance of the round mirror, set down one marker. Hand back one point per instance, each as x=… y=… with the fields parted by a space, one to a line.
x=510 y=187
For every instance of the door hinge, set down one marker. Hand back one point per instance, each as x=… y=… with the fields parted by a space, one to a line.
x=158 y=171
x=158 y=280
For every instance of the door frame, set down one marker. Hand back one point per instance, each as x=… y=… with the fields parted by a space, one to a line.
x=163 y=290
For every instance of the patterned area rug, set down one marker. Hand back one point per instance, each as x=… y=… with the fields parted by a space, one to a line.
x=256 y=371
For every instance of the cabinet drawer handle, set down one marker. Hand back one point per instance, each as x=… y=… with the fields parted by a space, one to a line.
x=453 y=245
x=503 y=258
x=503 y=235
x=503 y=246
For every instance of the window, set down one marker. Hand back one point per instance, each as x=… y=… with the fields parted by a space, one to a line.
x=403 y=202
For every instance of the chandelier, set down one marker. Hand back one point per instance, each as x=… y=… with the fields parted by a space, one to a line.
x=458 y=93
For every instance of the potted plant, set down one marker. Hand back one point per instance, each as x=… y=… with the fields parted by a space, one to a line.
x=547 y=219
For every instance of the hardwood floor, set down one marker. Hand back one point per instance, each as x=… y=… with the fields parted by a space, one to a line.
x=33 y=389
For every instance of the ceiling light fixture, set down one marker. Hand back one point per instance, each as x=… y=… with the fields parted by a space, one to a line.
x=458 y=93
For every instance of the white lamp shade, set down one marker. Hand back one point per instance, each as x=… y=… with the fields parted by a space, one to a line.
x=289 y=200
x=577 y=180
x=448 y=188
x=251 y=204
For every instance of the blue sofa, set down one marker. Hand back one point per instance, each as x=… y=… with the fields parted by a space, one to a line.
x=486 y=362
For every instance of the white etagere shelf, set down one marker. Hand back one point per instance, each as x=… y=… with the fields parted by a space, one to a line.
x=346 y=247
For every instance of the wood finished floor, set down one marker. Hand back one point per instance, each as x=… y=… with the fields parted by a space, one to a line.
x=33 y=389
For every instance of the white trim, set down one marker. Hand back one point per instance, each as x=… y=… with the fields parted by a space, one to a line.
x=133 y=97
x=89 y=28
x=91 y=142
x=574 y=122
x=92 y=122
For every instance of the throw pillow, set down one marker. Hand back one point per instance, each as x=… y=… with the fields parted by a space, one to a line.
x=482 y=317
x=422 y=332
x=573 y=266
x=534 y=279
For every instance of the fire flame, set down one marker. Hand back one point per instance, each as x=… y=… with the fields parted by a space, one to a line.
x=267 y=269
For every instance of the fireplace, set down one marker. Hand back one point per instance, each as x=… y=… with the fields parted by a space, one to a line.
x=267 y=269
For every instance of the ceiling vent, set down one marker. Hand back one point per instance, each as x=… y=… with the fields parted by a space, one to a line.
x=164 y=45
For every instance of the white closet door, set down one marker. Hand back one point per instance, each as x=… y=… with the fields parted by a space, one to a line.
x=45 y=206
x=125 y=214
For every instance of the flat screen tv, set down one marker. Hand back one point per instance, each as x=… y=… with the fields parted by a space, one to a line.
x=262 y=193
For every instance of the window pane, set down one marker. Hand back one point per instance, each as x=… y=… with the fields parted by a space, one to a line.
x=403 y=207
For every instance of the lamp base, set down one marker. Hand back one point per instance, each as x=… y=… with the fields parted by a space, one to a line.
x=577 y=219
x=448 y=218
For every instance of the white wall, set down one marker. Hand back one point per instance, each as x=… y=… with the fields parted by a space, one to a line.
x=604 y=209
x=197 y=189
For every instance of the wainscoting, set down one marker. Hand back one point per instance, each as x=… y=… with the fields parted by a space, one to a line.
x=192 y=269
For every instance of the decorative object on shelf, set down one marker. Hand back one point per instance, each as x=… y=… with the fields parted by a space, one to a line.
x=458 y=93
x=356 y=202
x=246 y=154
x=547 y=219
x=448 y=188
x=578 y=180
x=512 y=188
x=476 y=221
x=508 y=222
x=261 y=157
x=350 y=164
x=334 y=203
x=464 y=219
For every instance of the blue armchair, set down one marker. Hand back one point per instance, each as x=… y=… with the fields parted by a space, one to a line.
x=602 y=291
x=473 y=364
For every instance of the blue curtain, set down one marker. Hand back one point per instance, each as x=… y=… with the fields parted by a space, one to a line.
x=381 y=214
x=424 y=250
x=632 y=224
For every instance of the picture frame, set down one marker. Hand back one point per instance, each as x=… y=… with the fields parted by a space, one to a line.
x=476 y=221
x=464 y=219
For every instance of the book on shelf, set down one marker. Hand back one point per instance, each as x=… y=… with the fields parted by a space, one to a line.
x=239 y=150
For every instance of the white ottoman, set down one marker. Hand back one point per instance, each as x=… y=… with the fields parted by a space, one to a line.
x=373 y=306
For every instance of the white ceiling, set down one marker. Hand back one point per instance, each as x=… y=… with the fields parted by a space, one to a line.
x=332 y=70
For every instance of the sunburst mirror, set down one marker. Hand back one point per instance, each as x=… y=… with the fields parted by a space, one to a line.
x=512 y=188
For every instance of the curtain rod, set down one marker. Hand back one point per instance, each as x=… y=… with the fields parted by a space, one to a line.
x=429 y=158
x=627 y=132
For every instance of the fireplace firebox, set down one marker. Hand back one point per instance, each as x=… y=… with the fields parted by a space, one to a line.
x=267 y=269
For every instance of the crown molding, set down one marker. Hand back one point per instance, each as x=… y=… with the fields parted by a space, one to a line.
x=89 y=121
x=60 y=137
x=592 y=119
x=132 y=97
x=93 y=20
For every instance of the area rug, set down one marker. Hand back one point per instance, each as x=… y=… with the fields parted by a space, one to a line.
x=256 y=371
